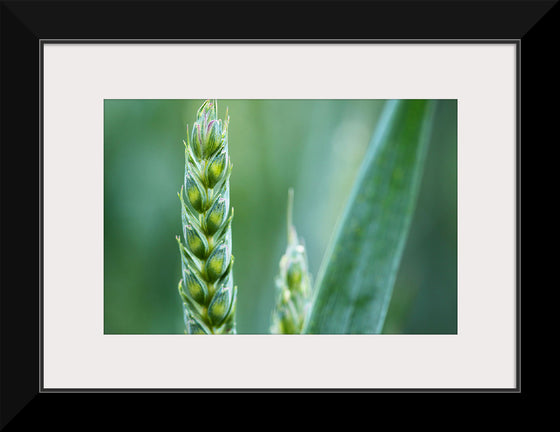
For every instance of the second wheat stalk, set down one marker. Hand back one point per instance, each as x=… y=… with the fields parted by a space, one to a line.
x=293 y=283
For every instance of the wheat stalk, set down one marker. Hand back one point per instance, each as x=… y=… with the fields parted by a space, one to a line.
x=206 y=287
x=293 y=283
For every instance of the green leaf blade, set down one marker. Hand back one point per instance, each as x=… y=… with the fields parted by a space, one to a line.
x=355 y=283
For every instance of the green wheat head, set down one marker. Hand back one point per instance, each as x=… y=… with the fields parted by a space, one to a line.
x=206 y=286
x=293 y=284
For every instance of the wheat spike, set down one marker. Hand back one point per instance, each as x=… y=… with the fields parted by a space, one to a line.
x=206 y=286
x=293 y=283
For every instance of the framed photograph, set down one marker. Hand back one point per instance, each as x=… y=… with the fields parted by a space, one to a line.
x=334 y=211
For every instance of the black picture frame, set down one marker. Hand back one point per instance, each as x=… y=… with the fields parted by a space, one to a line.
x=25 y=26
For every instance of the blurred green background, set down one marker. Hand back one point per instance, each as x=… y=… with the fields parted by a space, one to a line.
x=314 y=146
